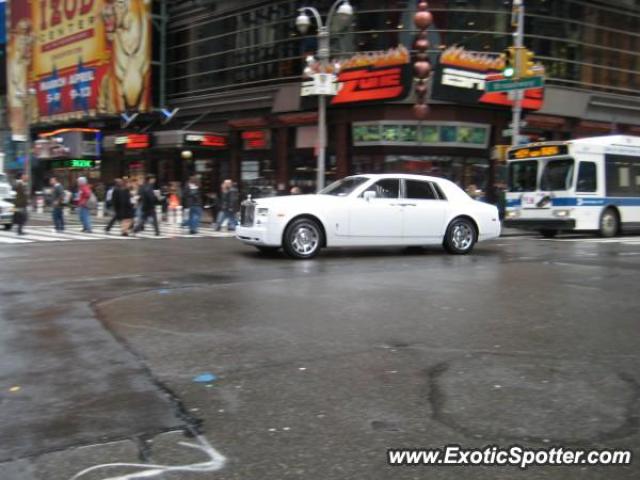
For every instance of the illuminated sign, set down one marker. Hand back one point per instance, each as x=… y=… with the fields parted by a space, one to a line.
x=413 y=133
x=206 y=140
x=134 y=141
x=256 y=139
x=81 y=58
x=372 y=77
x=461 y=77
x=537 y=151
x=76 y=163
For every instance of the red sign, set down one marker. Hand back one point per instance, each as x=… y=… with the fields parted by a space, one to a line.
x=203 y=140
x=255 y=139
x=364 y=85
x=134 y=141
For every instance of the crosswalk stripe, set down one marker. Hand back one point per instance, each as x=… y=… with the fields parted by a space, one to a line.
x=16 y=240
x=38 y=238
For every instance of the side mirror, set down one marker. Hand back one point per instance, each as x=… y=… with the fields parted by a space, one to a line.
x=369 y=194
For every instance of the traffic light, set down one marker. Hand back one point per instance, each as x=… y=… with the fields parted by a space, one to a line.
x=509 y=58
x=525 y=63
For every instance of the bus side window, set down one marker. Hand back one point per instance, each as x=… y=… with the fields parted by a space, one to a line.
x=587 y=179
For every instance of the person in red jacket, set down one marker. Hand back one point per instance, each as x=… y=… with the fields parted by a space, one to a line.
x=84 y=204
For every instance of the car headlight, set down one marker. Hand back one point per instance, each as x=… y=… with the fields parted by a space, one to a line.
x=564 y=213
x=262 y=212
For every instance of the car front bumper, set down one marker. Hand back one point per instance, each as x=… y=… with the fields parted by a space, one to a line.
x=541 y=223
x=257 y=235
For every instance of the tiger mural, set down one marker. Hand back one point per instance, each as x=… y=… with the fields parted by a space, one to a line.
x=126 y=84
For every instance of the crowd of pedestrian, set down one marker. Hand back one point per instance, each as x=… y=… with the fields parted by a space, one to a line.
x=132 y=204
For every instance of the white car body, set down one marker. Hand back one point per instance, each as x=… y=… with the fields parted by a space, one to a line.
x=6 y=191
x=6 y=214
x=353 y=220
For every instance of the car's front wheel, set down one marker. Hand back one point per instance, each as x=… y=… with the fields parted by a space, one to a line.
x=303 y=238
x=460 y=237
x=7 y=226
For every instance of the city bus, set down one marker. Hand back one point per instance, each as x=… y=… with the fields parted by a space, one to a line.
x=586 y=185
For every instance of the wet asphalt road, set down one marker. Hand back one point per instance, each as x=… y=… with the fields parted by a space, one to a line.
x=322 y=365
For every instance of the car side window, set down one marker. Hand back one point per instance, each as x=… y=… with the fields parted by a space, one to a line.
x=417 y=190
x=387 y=188
x=439 y=191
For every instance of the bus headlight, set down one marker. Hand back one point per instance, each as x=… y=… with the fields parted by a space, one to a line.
x=562 y=213
x=512 y=213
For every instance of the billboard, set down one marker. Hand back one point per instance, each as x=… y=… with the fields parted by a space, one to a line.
x=461 y=75
x=370 y=77
x=72 y=59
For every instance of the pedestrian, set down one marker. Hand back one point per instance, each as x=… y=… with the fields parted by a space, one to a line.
x=174 y=204
x=123 y=206
x=228 y=205
x=148 y=200
x=192 y=199
x=57 y=203
x=20 y=216
x=111 y=196
x=85 y=201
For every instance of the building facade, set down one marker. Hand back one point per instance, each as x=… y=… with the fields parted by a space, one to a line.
x=234 y=71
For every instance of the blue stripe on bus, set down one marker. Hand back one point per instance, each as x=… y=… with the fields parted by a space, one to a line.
x=595 y=202
x=514 y=202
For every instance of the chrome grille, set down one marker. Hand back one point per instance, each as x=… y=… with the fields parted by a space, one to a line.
x=247 y=214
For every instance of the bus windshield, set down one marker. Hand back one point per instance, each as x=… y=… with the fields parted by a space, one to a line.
x=523 y=176
x=557 y=175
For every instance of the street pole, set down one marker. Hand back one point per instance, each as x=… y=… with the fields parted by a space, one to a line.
x=518 y=42
x=343 y=9
x=323 y=58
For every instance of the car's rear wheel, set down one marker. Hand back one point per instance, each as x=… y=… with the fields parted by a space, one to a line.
x=461 y=236
x=303 y=238
x=609 y=223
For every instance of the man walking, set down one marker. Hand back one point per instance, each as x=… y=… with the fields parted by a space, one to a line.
x=84 y=200
x=148 y=201
x=57 y=203
x=228 y=206
x=112 y=197
x=21 y=203
x=193 y=201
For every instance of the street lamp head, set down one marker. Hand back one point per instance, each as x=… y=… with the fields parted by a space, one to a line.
x=303 y=22
x=345 y=12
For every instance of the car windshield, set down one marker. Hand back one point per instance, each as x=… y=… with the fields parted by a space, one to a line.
x=557 y=175
x=523 y=176
x=344 y=186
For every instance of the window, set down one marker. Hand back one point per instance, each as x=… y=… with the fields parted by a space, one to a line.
x=622 y=176
x=587 y=180
x=419 y=190
x=388 y=188
x=557 y=175
x=523 y=176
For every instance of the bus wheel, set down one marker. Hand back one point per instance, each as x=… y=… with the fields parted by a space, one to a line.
x=609 y=223
x=548 y=233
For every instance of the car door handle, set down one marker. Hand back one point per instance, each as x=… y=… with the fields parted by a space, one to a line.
x=403 y=204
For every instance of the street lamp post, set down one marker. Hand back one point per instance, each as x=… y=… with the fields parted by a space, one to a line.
x=26 y=98
x=344 y=11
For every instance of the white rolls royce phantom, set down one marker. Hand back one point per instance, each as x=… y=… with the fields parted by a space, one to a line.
x=369 y=210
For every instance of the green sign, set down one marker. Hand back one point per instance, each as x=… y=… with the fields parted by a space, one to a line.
x=76 y=163
x=508 y=85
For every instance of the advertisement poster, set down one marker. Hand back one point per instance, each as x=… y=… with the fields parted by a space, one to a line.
x=71 y=59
